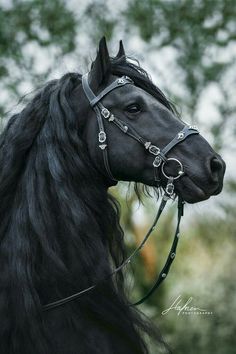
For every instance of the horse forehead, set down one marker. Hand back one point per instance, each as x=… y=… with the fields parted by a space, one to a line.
x=128 y=92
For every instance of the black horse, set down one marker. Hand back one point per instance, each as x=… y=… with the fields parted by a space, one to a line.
x=59 y=227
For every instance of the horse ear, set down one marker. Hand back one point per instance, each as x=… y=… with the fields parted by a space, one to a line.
x=121 y=51
x=101 y=66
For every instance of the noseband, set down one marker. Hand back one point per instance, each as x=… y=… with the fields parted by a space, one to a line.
x=160 y=162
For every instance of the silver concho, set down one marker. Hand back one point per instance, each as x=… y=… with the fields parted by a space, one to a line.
x=121 y=81
x=193 y=127
x=181 y=135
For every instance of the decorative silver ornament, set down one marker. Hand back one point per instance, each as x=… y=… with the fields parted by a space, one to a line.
x=103 y=146
x=147 y=144
x=194 y=127
x=111 y=118
x=181 y=135
x=120 y=81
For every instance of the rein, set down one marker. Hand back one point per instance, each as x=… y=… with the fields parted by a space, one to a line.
x=159 y=163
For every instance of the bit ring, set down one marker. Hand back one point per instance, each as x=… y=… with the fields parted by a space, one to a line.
x=180 y=172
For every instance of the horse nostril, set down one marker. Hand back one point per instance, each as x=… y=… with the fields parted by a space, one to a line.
x=216 y=167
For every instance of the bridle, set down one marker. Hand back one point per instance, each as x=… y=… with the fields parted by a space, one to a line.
x=159 y=163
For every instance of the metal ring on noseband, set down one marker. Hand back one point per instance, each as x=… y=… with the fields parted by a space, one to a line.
x=180 y=172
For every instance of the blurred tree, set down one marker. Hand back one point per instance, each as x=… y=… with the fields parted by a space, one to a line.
x=201 y=33
x=27 y=27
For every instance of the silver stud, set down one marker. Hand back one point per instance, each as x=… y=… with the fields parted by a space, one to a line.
x=178 y=235
x=163 y=275
x=172 y=255
x=125 y=128
x=147 y=144
x=181 y=173
x=194 y=127
x=103 y=146
x=120 y=81
x=181 y=135
x=111 y=118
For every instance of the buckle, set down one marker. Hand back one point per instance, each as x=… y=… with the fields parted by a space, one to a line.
x=105 y=112
x=102 y=136
x=157 y=162
x=153 y=149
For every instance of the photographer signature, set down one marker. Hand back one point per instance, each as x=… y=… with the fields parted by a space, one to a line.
x=185 y=308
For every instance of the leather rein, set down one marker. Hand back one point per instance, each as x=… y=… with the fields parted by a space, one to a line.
x=159 y=163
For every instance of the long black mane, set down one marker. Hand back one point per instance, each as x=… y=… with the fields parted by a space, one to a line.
x=59 y=229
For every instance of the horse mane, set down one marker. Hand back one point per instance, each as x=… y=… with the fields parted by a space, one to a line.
x=57 y=221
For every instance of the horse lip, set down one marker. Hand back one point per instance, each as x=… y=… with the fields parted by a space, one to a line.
x=199 y=194
x=218 y=189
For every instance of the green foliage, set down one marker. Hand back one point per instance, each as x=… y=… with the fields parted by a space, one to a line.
x=43 y=24
x=199 y=31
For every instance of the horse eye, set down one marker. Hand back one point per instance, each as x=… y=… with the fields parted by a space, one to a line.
x=133 y=108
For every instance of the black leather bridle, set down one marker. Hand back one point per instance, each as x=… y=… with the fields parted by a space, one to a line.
x=159 y=163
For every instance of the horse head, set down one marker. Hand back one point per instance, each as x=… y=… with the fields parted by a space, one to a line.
x=136 y=123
